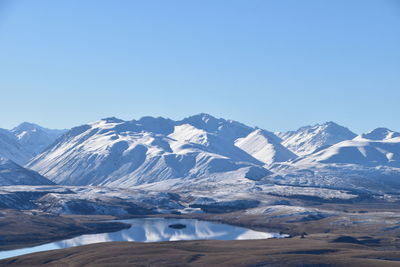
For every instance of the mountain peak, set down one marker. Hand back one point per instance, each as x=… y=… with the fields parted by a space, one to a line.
x=202 y=118
x=34 y=138
x=230 y=129
x=321 y=127
x=27 y=126
x=330 y=124
x=380 y=134
x=112 y=120
x=308 y=139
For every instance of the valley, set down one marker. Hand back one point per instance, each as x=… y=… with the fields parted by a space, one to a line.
x=360 y=234
x=335 y=193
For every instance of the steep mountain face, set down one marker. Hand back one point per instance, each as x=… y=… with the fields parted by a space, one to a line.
x=265 y=146
x=35 y=138
x=126 y=153
x=13 y=174
x=11 y=149
x=307 y=140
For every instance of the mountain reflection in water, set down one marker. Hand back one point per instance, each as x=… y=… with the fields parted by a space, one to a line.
x=154 y=230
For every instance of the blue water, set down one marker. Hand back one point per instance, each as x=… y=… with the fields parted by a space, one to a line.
x=153 y=230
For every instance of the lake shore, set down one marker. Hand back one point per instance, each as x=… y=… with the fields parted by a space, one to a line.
x=365 y=244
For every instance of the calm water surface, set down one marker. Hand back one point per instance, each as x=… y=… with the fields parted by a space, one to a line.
x=154 y=230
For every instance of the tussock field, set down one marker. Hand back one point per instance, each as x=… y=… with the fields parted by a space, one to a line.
x=314 y=250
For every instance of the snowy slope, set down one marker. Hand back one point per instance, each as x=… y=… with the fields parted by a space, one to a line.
x=377 y=179
x=207 y=154
x=361 y=151
x=35 y=138
x=308 y=139
x=364 y=164
x=11 y=149
x=126 y=153
x=265 y=146
x=13 y=174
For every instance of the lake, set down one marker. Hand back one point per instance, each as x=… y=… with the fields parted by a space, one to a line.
x=154 y=230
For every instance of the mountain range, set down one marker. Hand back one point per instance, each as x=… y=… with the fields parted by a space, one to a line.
x=202 y=149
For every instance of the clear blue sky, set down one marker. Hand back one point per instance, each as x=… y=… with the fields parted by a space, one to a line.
x=277 y=64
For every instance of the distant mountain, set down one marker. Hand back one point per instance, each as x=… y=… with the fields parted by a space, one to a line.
x=13 y=174
x=308 y=139
x=365 y=153
x=265 y=146
x=126 y=153
x=380 y=147
x=25 y=141
x=11 y=149
x=35 y=138
x=359 y=164
x=380 y=134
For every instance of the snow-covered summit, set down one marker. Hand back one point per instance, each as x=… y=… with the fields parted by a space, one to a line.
x=379 y=134
x=34 y=138
x=229 y=129
x=308 y=139
x=117 y=152
x=25 y=141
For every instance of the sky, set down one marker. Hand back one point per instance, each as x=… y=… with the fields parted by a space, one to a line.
x=275 y=64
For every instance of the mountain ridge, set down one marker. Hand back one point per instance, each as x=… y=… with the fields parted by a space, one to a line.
x=156 y=150
x=308 y=139
x=151 y=149
x=202 y=148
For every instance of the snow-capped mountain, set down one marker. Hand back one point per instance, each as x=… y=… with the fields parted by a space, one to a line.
x=308 y=139
x=13 y=174
x=380 y=147
x=11 y=149
x=230 y=130
x=35 y=138
x=125 y=153
x=379 y=134
x=203 y=152
x=368 y=162
x=25 y=141
x=265 y=146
